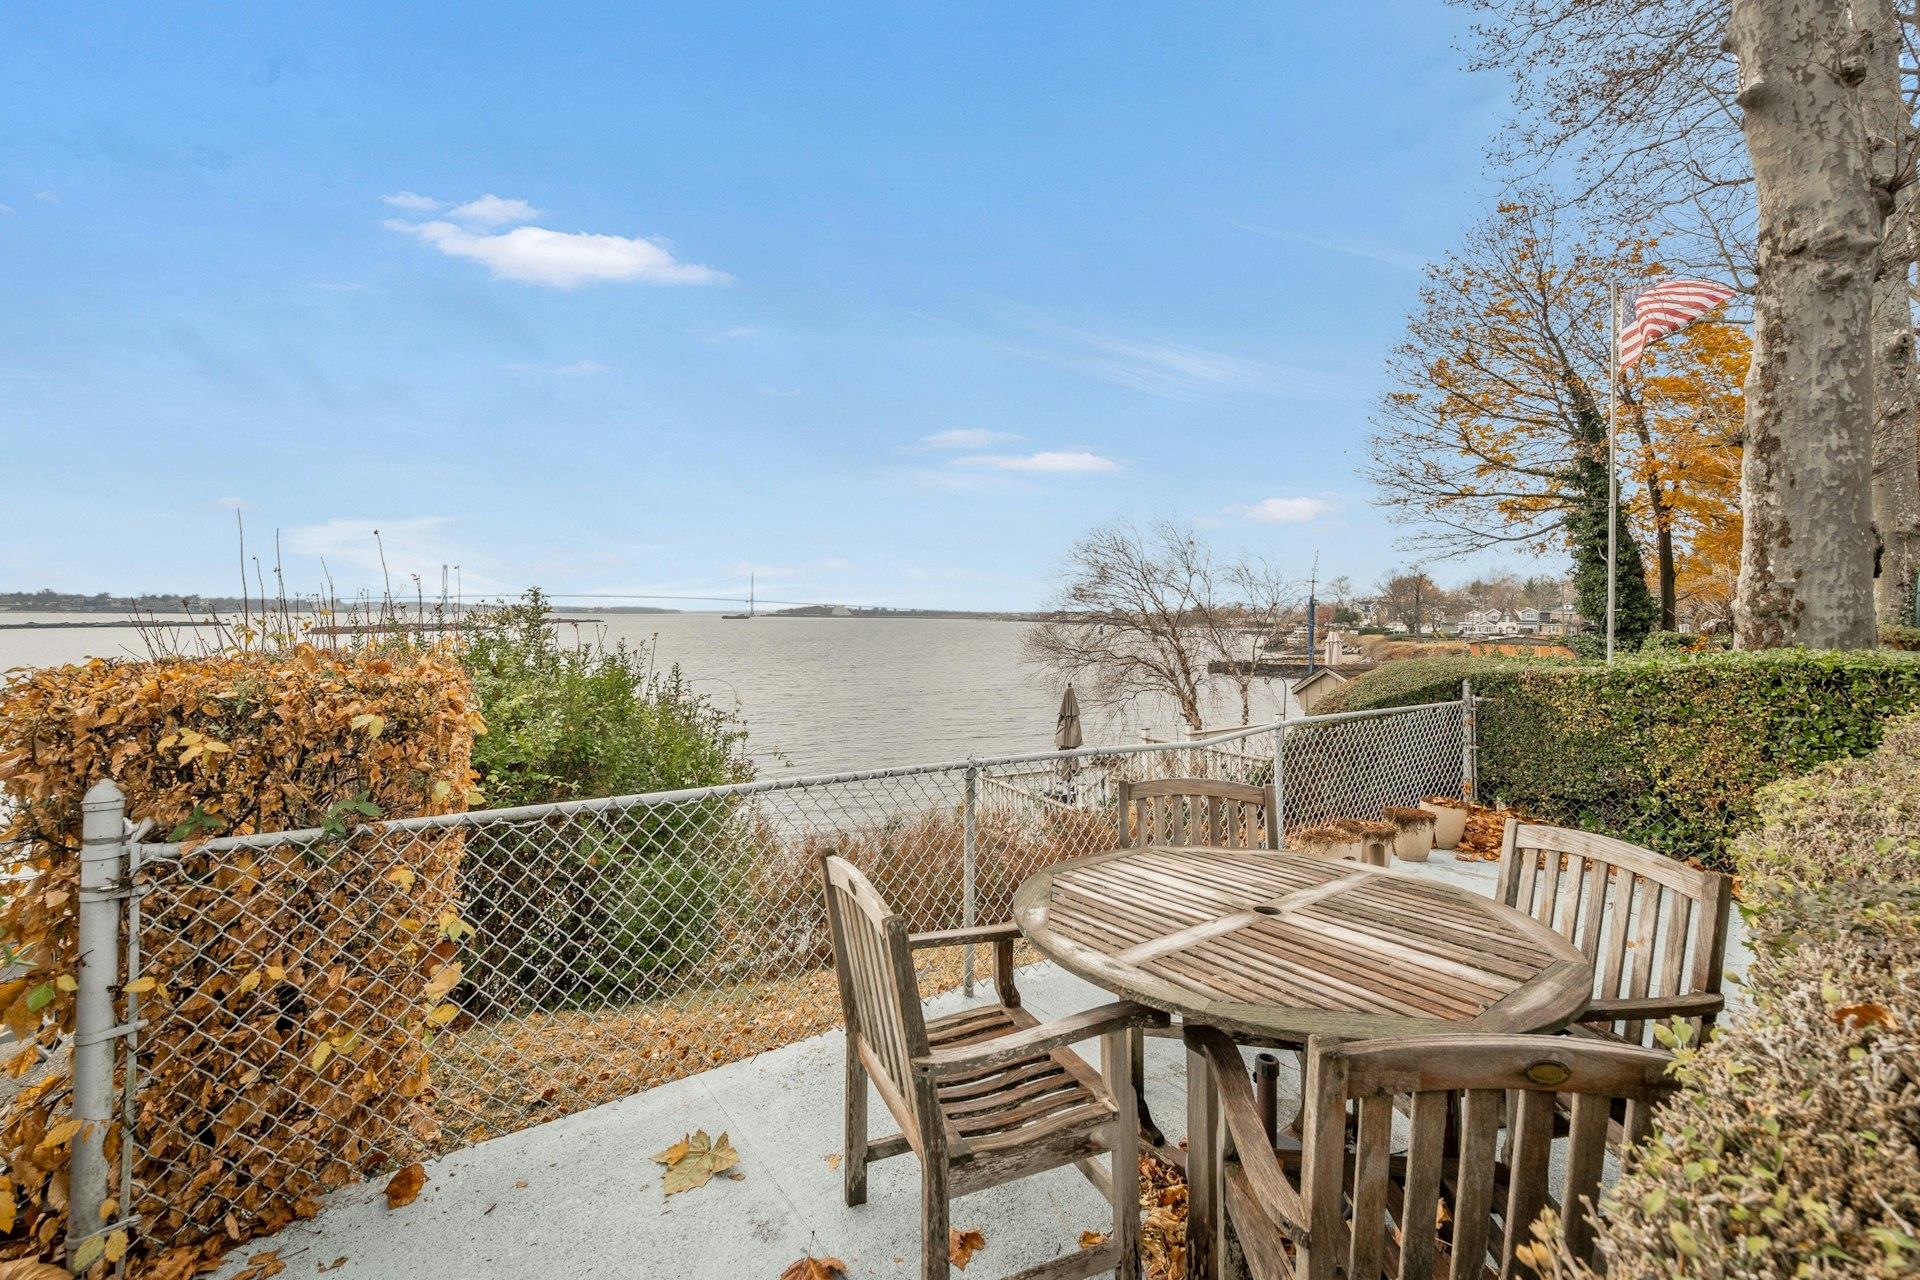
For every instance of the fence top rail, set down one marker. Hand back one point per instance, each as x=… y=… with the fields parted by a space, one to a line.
x=163 y=850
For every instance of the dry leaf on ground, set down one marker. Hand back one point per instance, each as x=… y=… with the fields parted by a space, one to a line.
x=833 y=1161
x=961 y=1246
x=812 y=1268
x=28 y=1269
x=1863 y=1015
x=1092 y=1239
x=405 y=1185
x=262 y=1265
x=692 y=1162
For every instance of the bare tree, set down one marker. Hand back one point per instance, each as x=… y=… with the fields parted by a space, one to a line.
x=1409 y=597
x=1806 y=570
x=1152 y=613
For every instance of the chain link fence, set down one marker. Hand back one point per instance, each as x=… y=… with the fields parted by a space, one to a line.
x=310 y=1008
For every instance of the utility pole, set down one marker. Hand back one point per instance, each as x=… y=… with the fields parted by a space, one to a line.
x=1313 y=582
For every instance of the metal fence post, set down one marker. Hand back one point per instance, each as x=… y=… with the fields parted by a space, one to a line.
x=968 y=856
x=1280 y=774
x=1469 y=743
x=103 y=868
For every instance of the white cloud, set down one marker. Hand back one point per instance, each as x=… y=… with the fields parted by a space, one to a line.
x=966 y=438
x=234 y=504
x=1177 y=371
x=1051 y=462
x=6 y=208
x=1335 y=244
x=413 y=545
x=561 y=259
x=414 y=201
x=494 y=211
x=740 y=331
x=47 y=197
x=1282 y=510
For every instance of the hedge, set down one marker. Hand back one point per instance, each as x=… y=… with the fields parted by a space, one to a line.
x=1793 y=1146
x=1665 y=750
x=287 y=1022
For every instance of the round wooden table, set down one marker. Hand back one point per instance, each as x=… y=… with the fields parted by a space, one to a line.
x=1275 y=946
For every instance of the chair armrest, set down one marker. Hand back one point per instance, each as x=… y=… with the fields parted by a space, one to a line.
x=1006 y=931
x=1645 y=1008
x=1026 y=1043
x=1275 y=1195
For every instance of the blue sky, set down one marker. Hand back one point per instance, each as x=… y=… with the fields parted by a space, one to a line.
x=890 y=301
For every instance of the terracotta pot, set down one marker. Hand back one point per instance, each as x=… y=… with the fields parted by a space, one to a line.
x=1449 y=824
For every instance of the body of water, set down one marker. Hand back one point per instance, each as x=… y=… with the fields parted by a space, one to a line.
x=816 y=694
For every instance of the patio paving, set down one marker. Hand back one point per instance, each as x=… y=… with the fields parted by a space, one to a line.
x=580 y=1196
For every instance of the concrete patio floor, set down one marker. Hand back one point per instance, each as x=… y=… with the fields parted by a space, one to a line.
x=580 y=1196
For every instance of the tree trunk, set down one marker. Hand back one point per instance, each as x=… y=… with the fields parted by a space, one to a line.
x=1896 y=461
x=1806 y=570
x=1662 y=524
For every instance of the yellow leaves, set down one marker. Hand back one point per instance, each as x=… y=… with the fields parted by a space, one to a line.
x=7 y=1206
x=962 y=1245
x=29 y=1269
x=812 y=1268
x=453 y=928
x=141 y=985
x=405 y=1185
x=60 y=1135
x=321 y=1052
x=692 y=1162
x=369 y=723
x=402 y=876
x=443 y=1014
x=1092 y=1239
x=442 y=981
x=249 y=981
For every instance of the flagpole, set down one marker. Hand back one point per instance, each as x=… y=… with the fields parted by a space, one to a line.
x=1613 y=471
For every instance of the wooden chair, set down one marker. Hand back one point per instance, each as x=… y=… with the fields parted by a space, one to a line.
x=1347 y=1204
x=983 y=1096
x=1654 y=929
x=1203 y=811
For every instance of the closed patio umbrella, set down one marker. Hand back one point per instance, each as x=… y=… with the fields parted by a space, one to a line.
x=1066 y=733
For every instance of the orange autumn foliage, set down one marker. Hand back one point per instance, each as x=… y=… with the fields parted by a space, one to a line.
x=285 y=1049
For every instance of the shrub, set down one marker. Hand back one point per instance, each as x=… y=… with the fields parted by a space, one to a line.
x=602 y=909
x=1793 y=1147
x=1906 y=639
x=1663 y=750
x=284 y=1052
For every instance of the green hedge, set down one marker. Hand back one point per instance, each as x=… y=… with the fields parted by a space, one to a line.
x=1665 y=750
x=1793 y=1146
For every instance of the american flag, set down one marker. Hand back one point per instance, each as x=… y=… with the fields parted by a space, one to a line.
x=1668 y=307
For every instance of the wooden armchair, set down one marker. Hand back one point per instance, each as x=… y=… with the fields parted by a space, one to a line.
x=983 y=1096
x=1654 y=929
x=1203 y=811
x=1346 y=1203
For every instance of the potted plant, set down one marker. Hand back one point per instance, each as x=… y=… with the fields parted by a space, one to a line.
x=1449 y=819
x=1413 y=828
x=1375 y=837
x=1327 y=840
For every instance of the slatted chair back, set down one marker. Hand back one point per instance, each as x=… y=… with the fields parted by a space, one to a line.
x=1195 y=811
x=1454 y=1091
x=1650 y=926
x=878 y=995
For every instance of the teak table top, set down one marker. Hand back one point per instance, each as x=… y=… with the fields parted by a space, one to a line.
x=1283 y=945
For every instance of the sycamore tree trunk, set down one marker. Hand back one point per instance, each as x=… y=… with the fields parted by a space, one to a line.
x=1896 y=461
x=1806 y=570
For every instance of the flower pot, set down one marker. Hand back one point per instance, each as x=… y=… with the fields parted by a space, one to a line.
x=1326 y=841
x=1413 y=839
x=1375 y=839
x=1449 y=823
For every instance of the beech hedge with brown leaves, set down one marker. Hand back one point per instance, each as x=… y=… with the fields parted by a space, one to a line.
x=289 y=1008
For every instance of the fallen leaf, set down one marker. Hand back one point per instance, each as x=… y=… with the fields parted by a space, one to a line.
x=1092 y=1239
x=812 y=1268
x=1863 y=1015
x=262 y=1265
x=28 y=1269
x=833 y=1161
x=335 y=1265
x=405 y=1185
x=519 y=1184
x=692 y=1162
x=961 y=1246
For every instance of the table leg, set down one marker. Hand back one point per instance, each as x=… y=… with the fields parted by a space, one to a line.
x=1206 y=1207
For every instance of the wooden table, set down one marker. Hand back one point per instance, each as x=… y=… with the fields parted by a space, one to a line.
x=1273 y=947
